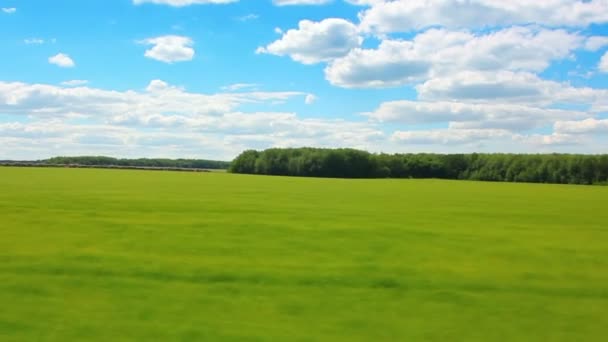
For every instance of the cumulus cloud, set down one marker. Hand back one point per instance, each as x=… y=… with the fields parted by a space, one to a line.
x=553 y=139
x=50 y=129
x=62 y=60
x=166 y=120
x=393 y=63
x=9 y=10
x=473 y=85
x=276 y=128
x=590 y=125
x=449 y=136
x=42 y=100
x=310 y=99
x=181 y=3
x=464 y=115
x=595 y=43
x=176 y=122
x=490 y=140
x=474 y=65
x=169 y=108
x=507 y=86
x=439 y=52
x=314 y=42
x=43 y=139
x=409 y=15
x=170 y=48
x=603 y=66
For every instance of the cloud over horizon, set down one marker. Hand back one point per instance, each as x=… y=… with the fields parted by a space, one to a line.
x=202 y=78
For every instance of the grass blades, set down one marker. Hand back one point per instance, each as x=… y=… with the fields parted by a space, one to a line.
x=133 y=255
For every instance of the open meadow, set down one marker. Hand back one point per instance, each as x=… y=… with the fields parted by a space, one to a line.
x=147 y=255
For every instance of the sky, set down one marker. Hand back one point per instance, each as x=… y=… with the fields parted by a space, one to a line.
x=211 y=78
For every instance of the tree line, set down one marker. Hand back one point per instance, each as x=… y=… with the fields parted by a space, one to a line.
x=351 y=163
x=140 y=162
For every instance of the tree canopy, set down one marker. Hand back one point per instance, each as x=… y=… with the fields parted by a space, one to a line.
x=351 y=163
x=141 y=162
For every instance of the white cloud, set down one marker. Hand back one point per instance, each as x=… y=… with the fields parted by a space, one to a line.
x=181 y=3
x=409 y=15
x=300 y=2
x=51 y=129
x=291 y=131
x=170 y=48
x=595 y=43
x=9 y=10
x=586 y=126
x=310 y=99
x=74 y=83
x=451 y=140
x=280 y=128
x=165 y=120
x=603 y=66
x=159 y=86
x=314 y=42
x=62 y=60
x=393 y=63
x=41 y=100
x=34 y=41
x=43 y=139
x=488 y=86
x=507 y=86
x=177 y=122
x=481 y=85
x=439 y=51
x=464 y=115
x=240 y=86
x=449 y=136
x=554 y=139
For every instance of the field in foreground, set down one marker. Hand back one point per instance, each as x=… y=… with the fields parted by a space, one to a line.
x=142 y=255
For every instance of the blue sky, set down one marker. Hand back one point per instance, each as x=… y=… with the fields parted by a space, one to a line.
x=210 y=78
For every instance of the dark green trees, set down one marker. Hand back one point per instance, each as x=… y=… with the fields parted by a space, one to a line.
x=350 y=163
x=142 y=162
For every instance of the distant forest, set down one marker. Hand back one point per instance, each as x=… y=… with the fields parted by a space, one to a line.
x=350 y=163
x=141 y=162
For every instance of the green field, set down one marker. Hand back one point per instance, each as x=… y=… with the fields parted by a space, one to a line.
x=144 y=255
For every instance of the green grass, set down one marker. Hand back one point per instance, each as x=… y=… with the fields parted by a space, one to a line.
x=140 y=255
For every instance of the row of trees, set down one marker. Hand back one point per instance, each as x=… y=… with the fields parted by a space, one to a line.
x=350 y=163
x=142 y=162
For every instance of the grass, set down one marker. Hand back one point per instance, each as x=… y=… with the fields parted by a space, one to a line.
x=134 y=255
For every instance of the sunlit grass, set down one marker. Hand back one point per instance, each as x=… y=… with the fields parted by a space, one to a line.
x=143 y=255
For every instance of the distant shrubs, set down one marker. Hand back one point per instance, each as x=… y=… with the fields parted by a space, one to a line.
x=350 y=163
x=141 y=162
